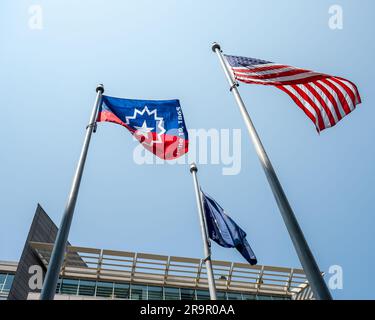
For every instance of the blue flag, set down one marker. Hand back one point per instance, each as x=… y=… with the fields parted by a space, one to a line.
x=224 y=231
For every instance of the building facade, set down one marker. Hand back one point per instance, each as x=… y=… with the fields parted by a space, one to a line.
x=91 y=273
x=7 y=271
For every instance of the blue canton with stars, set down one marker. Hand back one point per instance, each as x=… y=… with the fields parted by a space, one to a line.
x=237 y=62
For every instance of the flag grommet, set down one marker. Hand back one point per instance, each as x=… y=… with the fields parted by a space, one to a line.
x=233 y=86
x=92 y=125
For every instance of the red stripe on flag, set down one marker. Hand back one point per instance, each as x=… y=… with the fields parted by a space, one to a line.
x=170 y=148
x=281 y=83
x=347 y=89
x=331 y=99
x=299 y=103
x=275 y=75
x=107 y=116
x=355 y=88
x=258 y=69
x=342 y=99
x=322 y=103
x=312 y=104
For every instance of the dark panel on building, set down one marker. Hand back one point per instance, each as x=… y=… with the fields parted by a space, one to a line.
x=42 y=229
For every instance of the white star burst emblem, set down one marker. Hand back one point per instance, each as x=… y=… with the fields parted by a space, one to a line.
x=144 y=130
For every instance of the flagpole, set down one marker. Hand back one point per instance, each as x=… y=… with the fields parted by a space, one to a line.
x=304 y=253
x=206 y=241
x=58 y=252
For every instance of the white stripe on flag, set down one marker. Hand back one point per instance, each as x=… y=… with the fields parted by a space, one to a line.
x=335 y=96
x=267 y=72
x=343 y=91
x=303 y=101
x=351 y=87
x=255 y=66
x=327 y=101
x=282 y=79
x=323 y=113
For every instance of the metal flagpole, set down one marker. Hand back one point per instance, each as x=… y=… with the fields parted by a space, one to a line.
x=58 y=252
x=206 y=241
x=304 y=253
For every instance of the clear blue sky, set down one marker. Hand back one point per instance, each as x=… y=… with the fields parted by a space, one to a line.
x=162 y=50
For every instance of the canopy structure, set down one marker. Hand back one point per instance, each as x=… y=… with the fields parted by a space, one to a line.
x=161 y=270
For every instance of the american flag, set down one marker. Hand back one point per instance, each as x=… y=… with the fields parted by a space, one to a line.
x=325 y=99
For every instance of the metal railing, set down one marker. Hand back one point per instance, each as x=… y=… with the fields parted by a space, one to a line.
x=152 y=269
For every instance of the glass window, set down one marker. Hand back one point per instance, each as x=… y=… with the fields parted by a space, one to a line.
x=221 y=295
x=3 y=276
x=234 y=296
x=171 y=293
x=104 y=289
x=248 y=296
x=155 y=293
x=69 y=286
x=280 y=298
x=187 y=294
x=138 y=292
x=121 y=291
x=264 y=297
x=58 y=286
x=86 y=288
x=203 y=295
x=8 y=282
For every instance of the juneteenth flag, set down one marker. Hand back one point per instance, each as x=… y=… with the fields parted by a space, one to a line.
x=157 y=124
x=325 y=99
